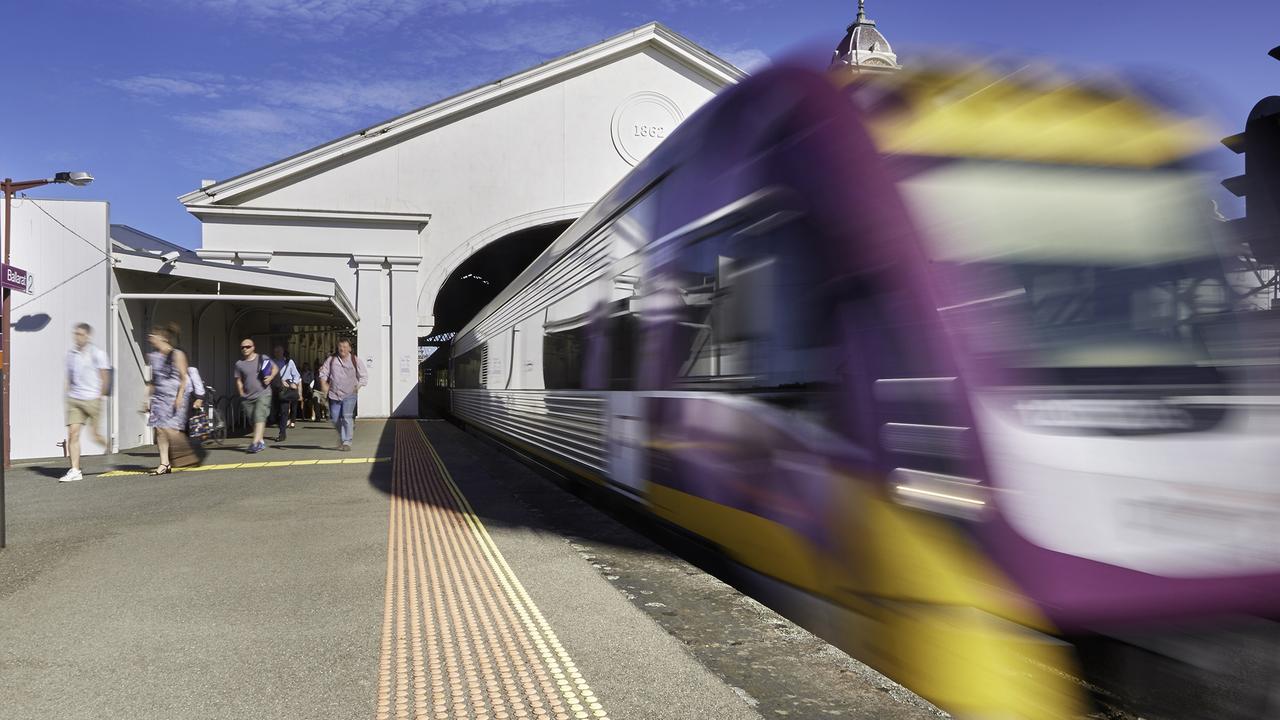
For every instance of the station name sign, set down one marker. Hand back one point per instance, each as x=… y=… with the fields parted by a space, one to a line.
x=16 y=279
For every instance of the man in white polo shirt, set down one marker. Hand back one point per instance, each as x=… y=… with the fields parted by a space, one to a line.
x=88 y=382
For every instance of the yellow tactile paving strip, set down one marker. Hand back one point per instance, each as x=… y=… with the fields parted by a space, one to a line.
x=460 y=636
x=257 y=465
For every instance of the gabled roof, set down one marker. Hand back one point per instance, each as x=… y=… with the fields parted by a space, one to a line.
x=386 y=133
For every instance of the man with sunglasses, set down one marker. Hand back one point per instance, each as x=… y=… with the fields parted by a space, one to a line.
x=254 y=374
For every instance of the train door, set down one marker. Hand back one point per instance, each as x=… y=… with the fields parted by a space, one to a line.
x=627 y=431
x=626 y=425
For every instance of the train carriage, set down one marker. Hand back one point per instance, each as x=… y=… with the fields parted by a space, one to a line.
x=975 y=382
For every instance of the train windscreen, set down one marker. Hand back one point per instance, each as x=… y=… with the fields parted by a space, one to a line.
x=1039 y=267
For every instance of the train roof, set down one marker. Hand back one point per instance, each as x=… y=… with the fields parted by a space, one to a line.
x=1030 y=115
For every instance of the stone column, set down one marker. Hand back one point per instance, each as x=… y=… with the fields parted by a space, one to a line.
x=372 y=339
x=404 y=336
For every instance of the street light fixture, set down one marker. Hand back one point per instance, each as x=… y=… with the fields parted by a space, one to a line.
x=79 y=179
x=9 y=186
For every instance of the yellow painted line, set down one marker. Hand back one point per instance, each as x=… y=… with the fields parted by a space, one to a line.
x=446 y=615
x=573 y=689
x=253 y=466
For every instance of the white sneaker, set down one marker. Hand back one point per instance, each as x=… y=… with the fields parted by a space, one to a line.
x=71 y=476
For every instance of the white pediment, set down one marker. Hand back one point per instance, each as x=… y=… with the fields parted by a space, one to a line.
x=685 y=62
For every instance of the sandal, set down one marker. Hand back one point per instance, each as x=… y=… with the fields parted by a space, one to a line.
x=162 y=470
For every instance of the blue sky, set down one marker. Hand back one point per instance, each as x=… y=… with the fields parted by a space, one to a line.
x=153 y=95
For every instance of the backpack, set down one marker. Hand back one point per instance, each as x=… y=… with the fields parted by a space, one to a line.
x=264 y=369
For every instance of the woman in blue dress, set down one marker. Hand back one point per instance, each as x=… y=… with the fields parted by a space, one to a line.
x=167 y=406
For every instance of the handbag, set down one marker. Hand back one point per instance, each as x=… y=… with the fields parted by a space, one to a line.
x=284 y=392
x=199 y=426
x=181 y=452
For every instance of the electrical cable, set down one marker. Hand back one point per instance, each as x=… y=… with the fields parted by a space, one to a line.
x=33 y=298
x=64 y=227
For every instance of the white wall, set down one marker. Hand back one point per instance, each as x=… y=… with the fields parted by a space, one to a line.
x=130 y=371
x=54 y=254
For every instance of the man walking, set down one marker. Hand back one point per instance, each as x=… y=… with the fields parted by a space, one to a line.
x=88 y=382
x=341 y=377
x=285 y=389
x=254 y=374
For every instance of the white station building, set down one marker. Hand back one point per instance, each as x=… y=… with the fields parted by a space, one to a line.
x=361 y=235
x=375 y=235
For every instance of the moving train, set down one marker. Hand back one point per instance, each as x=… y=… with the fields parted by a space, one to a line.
x=952 y=351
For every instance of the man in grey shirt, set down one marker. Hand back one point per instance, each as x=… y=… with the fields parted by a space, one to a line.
x=254 y=374
x=341 y=377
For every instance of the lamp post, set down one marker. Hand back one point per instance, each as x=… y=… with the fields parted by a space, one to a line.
x=9 y=186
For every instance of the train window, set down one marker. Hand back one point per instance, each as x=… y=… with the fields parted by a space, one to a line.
x=466 y=368
x=622 y=330
x=750 y=317
x=562 y=356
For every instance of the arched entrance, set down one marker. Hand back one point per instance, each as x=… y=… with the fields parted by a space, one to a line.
x=472 y=285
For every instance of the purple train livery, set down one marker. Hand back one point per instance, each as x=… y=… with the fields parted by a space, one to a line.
x=954 y=354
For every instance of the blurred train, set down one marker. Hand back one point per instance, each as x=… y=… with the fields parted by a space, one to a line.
x=953 y=351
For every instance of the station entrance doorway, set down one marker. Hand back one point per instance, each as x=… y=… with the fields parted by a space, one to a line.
x=469 y=288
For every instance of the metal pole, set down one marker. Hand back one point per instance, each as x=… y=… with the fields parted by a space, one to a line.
x=4 y=368
x=2 y=500
x=5 y=343
x=113 y=443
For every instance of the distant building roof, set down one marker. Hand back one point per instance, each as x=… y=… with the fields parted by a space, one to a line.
x=864 y=47
x=130 y=238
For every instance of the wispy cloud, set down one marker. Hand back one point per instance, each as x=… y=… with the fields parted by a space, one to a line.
x=249 y=120
x=460 y=7
x=254 y=120
x=168 y=86
x=512 y=43
x=746 y=59
x=730 y=5
x=334 y=19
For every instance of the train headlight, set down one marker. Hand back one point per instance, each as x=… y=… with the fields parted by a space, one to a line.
x=944 y=494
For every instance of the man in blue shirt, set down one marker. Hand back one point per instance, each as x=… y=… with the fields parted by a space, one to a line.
x=285 y=389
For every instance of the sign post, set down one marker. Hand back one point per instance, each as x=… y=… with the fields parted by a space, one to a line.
x=11 y=278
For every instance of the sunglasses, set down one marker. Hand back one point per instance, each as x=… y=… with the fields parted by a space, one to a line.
x=246 y=347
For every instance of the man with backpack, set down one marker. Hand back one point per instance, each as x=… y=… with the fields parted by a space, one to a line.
x=341 y=377
x=254 y=374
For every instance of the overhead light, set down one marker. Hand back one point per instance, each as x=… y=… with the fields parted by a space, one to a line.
x=79 y=178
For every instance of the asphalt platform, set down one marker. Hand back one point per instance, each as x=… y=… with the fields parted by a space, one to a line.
x=421 y=575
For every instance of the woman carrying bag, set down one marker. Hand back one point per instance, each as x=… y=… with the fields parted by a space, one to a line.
x=167 y=399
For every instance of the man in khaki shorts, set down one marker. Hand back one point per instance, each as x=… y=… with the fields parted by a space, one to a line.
x=88 y=382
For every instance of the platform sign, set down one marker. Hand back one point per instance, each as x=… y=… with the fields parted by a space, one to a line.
x=16 y=279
